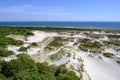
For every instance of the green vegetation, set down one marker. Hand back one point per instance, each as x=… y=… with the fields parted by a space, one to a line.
x=94 y=47
x=23 y=49
x=114 y=42
x=112 y=31
x=68 y=55
x=15 y=30
x=84 y=48
x=58 y=55
x=27 y=30
x=113 y=36
x=5 y=53
x=109 y=55
x=85 y=40
x=88 y=45
x=4 y=42
x=57 y=42
x=34 y=44
x=24 y=68
x=97 y=35
x=68 y=39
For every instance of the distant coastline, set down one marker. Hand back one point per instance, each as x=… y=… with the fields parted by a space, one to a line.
x=69 y=24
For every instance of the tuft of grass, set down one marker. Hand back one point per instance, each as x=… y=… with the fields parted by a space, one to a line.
x=23 y=49
x=94 y=47
x=68 y=55
x=85 y=40
x=113 y=36
x=115 y=42
x=57 y=42
x=112 y=42
x=34 y=44
x=57 y=56
x=109 y=55
x=5 y=53
x=97 y=35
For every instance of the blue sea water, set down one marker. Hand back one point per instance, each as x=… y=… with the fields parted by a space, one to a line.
x=112 y=25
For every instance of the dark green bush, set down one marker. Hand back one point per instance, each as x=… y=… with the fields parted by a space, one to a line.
x=34 y=44
x=5 y=53
x=64 y=74
x=109 y=55
x=23 y=49
x=15 y=30
x=2 y=77
x=5 y=41
x=57 y=42
x=10 y=69
x=24 y=68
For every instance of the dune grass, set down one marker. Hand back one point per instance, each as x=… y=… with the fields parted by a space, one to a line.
x=57 y=42
x=109 y=55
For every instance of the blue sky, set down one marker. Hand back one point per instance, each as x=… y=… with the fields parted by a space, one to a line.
x=59 y=10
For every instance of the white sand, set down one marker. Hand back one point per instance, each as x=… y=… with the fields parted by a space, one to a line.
x=39 y=36
x=14 y=49
x=63 y=60
x=10 y=58
x=32 y=51
x=99 y=70
x=95 y=68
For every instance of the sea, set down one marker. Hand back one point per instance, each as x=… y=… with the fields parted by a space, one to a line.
x=108 y=25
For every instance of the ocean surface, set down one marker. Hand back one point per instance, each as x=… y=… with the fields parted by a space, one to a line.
x=112 y=25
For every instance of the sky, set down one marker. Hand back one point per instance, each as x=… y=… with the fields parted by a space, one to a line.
x=60 y=10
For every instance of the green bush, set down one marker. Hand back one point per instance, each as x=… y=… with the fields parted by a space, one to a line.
x=64 y=74
x=85 y=40
x=43 y=67
x=23 y=49
x=57 y=42
x=16 y=31
x=2 y=77
x=29 y=33
x=5 y=41
x=5 y=53
x=27 y=75
x=95 y=46
x=10 y=69
x=34 y=44
x=24 y=68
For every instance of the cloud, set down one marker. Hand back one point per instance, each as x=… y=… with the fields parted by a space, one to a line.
x=57 y=13
x=48 y=11
x=35 y=10
x=14 y=9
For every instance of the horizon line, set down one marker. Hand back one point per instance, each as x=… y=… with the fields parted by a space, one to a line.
x=59 y=21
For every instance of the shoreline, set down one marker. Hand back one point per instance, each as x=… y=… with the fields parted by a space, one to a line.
x=61 y=27
x=66 y=24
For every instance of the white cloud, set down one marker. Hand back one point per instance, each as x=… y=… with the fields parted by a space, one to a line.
x=35 y=10
x=57 y=13
x=50 y=13
x=14 y=9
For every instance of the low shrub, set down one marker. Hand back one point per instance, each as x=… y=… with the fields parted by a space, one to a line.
x=5 y=53
x=23 y=49
x=34 y=44
x=109 y=55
